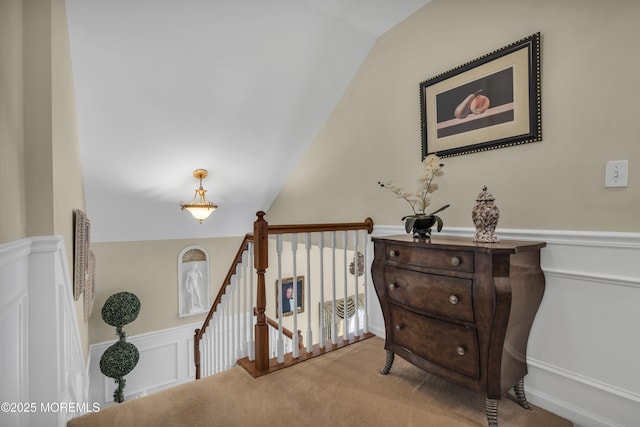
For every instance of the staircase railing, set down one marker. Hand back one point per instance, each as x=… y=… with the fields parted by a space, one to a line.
x=237 y=330
x=219 y=351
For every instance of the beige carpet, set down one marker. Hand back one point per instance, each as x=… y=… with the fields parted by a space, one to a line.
x=341 y=388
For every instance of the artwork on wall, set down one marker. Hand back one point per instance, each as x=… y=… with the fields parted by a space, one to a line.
x=81 y=242
x=490 y=102
x=193 y=281
x=285 y=296
x=90 y=286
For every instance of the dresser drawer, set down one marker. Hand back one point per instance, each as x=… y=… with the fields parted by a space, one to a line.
x=434 y=258
x=451 y=346
x=441 y=295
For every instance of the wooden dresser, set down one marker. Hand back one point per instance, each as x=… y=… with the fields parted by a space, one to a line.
x=460 y=310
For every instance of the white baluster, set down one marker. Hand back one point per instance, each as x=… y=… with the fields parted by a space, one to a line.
x=367 y=245
x=279 y=298
x=250 y=316
x=333 y=289
x=294 y=250
x=231 y=316
x=308 y=294
x=355 y=275
x=345 y=319
x=204 y=355
x=245 y=305
x=322 y=320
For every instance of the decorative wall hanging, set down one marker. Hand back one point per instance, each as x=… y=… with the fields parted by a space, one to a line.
x=90 y=287
x=193 y=281
x=81 y=242
x=285 y=296
x=490 y=102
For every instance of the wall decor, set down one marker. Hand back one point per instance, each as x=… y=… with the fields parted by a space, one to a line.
x=490 y=102
x=90 y=287
x=81 y=241
x=285 y=296
x=193 y=281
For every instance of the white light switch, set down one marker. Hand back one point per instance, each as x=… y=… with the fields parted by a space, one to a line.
x=616 y=173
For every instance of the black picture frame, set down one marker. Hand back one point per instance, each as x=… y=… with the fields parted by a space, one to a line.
x=506 y=80
x=281 y=295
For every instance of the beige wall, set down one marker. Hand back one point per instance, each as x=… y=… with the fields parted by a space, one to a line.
x=589 y=108
x=12 y=208
x=41 y=173
x=150 y=271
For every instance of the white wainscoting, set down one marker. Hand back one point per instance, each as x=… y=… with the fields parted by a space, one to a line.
x=166 y=360
x=41 y=357
x=584 y=347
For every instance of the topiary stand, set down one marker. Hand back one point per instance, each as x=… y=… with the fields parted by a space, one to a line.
x=118 y=360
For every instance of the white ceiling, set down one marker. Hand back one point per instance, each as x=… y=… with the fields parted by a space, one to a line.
x=237 y=87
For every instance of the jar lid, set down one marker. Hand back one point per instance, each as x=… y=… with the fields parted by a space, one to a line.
x=485 y=196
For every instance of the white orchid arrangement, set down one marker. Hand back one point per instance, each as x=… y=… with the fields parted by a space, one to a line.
x=420 y=200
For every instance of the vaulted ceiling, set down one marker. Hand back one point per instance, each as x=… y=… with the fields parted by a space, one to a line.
x=237 y=87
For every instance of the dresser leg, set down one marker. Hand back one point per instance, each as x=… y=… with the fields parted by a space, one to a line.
x=388 y=363
x=519 y=390
x=491 y=409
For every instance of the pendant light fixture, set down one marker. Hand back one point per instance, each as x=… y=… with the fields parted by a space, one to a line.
x=199 y=207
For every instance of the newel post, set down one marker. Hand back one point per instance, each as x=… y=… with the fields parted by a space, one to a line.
x=261 y=262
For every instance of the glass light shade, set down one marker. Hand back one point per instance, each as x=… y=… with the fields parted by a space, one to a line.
x=201 y=212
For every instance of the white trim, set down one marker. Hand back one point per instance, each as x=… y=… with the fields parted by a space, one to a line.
x=608 y=388
x=600 y=279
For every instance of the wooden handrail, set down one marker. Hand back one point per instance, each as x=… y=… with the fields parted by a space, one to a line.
x=286 y=332
x=367 y=224
x=226 y=282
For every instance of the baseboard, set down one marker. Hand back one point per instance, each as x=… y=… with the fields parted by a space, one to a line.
x=582 y=360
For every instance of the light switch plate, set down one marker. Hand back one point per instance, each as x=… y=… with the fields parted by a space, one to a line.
x=616 y=173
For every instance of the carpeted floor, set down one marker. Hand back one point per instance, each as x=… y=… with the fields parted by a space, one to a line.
x=341 y=388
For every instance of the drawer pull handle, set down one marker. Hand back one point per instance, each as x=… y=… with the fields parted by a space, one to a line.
x=393 y=254
x=460 y=350
x=398 y=328
x=393 y=286
x=453 y=299
x=455 y=260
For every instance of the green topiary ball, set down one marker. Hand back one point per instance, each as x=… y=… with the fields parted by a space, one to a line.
x=120 y=309
x=119 y=359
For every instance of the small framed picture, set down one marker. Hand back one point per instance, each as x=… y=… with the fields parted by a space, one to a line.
x=287 y=295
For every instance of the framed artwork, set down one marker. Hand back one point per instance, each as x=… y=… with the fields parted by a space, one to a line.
x=285 y=296
x=193 y=282
x=490 y=102
x=81 y=250
x=90 y=287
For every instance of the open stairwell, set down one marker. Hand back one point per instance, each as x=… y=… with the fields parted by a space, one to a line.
x=321 y=266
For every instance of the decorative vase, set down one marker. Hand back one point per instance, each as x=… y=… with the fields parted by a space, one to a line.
x=485 y=215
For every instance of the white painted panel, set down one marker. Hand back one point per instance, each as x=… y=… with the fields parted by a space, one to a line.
x=13 y=353
x=41 y=359
x=166 y=360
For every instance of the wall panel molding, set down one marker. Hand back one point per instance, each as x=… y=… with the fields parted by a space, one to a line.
x=166 y=360
x=43 y=360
